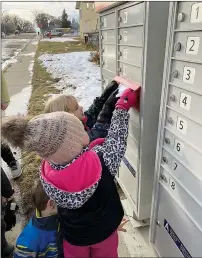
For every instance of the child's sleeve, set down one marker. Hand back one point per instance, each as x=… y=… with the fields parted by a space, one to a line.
x=24 y=252
x=114 y=146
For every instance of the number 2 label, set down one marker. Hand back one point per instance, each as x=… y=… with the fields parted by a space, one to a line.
x=196 y=13
x=192 y=45
x=181 y=125
x=188 y=74
x=178 y=147
x=185 y=101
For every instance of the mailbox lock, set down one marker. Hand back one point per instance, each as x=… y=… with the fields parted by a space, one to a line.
x=120 y=19
x=167 y=140
x=175 y=73
x=181 y=17
x=164 y=178
x=102 y=51
x=172 y=98
x=120 y=54
x=165 y=160
x=158 y=223
x=177 y=46
x=170 y=120
x=103 y=63
x=102 y=37
x=120 y=37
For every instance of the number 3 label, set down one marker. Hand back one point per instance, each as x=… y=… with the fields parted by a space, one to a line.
x=188 y=74
x=192 y=45
x=185 y=101
x=181 y=125
x=178 y=147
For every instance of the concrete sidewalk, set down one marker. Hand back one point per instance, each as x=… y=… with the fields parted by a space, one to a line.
x=18 y=77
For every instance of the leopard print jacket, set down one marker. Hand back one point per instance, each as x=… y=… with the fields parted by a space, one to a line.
x=112 y=150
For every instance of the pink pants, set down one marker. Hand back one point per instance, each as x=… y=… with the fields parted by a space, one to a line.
x=106 y=248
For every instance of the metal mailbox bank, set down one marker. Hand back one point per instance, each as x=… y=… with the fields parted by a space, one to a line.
x=132 y=43
x=176 y=229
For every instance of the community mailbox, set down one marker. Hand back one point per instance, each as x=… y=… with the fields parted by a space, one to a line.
x=132 y=44
x=176 y=229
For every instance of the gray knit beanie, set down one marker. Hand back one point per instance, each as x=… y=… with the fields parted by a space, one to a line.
x=56 y=136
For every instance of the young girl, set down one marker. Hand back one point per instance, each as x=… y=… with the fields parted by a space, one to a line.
x=97 y=118
x=79 y=177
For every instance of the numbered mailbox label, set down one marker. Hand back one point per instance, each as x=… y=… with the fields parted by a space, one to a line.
x=105 y=36
x=189 y=74
x=125 y=36
x=181 y=125
x=105 y=22
x=192 y=45
x=125 y=53
x=124 y=70
x=185 y=101
x=179 y=148
x=172 y=184
x=175 y=167
x=196 y=13
x=125 y=17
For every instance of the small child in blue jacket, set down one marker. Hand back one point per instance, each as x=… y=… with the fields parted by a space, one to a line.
x=39 y=237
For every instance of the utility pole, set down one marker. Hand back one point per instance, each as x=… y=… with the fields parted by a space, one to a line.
x=4 y=22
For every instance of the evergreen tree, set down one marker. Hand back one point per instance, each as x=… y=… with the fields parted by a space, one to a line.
x=64 y=20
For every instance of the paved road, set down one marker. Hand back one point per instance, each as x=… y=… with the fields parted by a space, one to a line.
x=12 y=44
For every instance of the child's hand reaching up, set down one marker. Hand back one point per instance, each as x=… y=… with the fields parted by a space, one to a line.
x=128 y=99
x=123 y=222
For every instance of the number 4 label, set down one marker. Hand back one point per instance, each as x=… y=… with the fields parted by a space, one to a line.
x=185 y=101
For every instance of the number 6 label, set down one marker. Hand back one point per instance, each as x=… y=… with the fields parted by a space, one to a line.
x=192 y=45
x=178 y=147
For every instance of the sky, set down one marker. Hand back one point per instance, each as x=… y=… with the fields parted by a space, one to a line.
x=25 y=8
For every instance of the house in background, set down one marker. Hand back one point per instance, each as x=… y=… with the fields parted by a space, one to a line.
x=89 y=20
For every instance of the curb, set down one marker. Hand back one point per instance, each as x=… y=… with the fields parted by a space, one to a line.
x=15 y=56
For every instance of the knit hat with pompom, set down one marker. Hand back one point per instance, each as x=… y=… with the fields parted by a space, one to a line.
x=57 y=136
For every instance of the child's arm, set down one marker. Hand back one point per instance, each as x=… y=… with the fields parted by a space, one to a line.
x=98 y=104
x=114 y=146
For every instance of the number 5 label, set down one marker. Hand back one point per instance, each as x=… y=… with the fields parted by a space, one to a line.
x=185 y=101
x=192 y=45
x=188 y=74
x=181 y=125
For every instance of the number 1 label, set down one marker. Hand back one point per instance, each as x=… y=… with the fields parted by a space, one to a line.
x=181 y=125
x=185 y=101
x=196 y=13
x=188 y=74
x=192 y=45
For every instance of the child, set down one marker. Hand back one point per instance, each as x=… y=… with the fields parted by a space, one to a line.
x=79 y=177
x=97 y=118
x=38 y=239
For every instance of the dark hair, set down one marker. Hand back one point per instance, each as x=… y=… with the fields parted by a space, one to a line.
x=39 y=196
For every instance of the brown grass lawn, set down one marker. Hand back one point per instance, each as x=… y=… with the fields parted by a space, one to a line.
x=42 y=85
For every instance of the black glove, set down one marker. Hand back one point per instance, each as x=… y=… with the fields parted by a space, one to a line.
x=9 y=216
x=99 y=102
x=106 y=113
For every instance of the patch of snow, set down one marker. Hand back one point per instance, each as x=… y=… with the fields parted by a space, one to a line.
x=19 y=102
x=29 y=54
x=79 y=77
x=59 y=39
x=35 y=42
x=8 y=62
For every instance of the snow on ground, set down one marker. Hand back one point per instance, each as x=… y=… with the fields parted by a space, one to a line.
x=10 y=49
x=78 y=76
x=59 y=39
